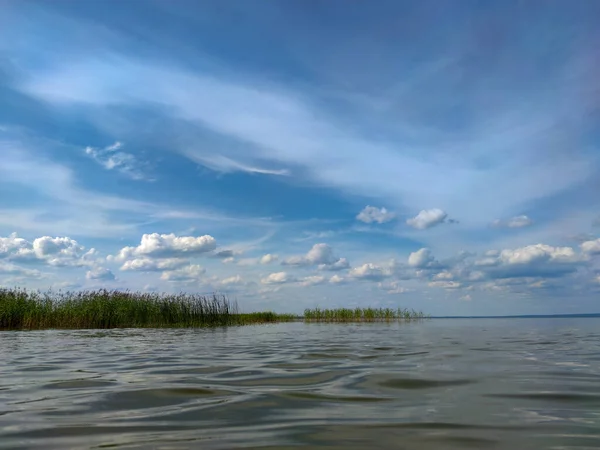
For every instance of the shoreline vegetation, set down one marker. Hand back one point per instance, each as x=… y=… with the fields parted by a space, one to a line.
x=362 y=315
x=102 y=309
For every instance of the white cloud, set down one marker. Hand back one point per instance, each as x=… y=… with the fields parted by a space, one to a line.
x=265 y=259
x=591 y=247
x=277 y=278
x=153 y=265
x=221 y=163
x=539 y=260
x=112 y=159
x=190 y=273
x=538 y=253
x=168 y=246
x=321 y=255
x=100 y=273
x=519 y=222
x=372 y=214
x=340 y=264
x=268 y=258
x=235 y=280
x=490 y=261
x=336 y=279
x=369 y=271
x=59 y=251
x=54 y=251
x=444 y=275
x=427 y=218
x=514 y=222
x=312 y=280
x=14 y=245
x=445 y=284
x=466 y=298
x=421 y=259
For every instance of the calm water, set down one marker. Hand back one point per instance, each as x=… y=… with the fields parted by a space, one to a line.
x=447 y=384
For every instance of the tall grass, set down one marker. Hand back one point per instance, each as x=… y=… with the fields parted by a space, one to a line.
x=22 y=309
x=361 y=315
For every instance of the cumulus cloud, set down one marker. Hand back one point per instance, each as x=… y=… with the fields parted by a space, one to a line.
x=372 y=214
x=428 y=218
x=531 y=261
x=444 y=275
x=112 y=158
x=54 y=251
x=337 y=279
x=538 y=253
x=153 y=265
x=168 y=246
x=320 y=255
x=190 y=273
x=369 y=271
x=422 y=259
x=277 y=278
x=268 y=258
x=340 y=264
x=14 y=245
x=100 y=273
x=591 y=247
x=514 y=222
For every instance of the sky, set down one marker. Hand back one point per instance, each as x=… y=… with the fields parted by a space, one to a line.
x=436 y=155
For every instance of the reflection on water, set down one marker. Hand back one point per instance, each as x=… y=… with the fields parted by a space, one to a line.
x=448 y=384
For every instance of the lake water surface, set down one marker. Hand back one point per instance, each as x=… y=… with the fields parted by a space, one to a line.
x=439 y=384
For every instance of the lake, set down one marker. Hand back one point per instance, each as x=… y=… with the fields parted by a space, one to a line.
x=437 y=384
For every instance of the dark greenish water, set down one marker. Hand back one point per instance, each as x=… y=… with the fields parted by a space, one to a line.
x=440 y=384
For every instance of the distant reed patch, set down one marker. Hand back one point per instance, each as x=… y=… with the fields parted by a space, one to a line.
x=362 y=315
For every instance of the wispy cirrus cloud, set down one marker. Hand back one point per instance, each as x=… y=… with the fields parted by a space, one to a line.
x=283 y=128
x=514 y=222
x=113 y=158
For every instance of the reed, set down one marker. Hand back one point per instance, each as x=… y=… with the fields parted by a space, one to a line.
x=362 y=315
x=22 y=309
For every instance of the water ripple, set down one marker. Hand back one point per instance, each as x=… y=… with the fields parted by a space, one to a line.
x=438 y=384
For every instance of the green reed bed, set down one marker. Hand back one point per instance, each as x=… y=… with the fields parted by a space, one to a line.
x=361 y=315
x=22 y=309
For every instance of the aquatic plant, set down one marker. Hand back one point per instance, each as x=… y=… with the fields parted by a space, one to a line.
x=22 y=309
x=361 y=315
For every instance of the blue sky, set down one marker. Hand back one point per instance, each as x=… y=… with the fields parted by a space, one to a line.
x=441 y=156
